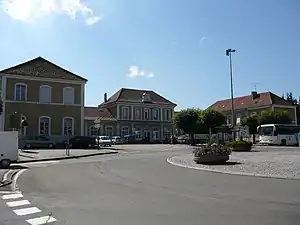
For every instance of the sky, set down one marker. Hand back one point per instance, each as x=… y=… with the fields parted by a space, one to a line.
x=174 y=47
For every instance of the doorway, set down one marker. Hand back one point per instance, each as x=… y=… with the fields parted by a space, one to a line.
x=147 y=135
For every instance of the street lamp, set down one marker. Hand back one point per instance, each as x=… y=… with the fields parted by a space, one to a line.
x=228 y=53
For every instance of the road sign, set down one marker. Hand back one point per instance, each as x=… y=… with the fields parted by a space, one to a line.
x=244 y=131
x=97 y=125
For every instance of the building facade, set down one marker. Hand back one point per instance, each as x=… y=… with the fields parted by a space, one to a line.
x=253 y=104
x=144 y=113
x=48 y=96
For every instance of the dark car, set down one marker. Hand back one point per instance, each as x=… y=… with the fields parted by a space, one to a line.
x=37 y=142
x=82 y=142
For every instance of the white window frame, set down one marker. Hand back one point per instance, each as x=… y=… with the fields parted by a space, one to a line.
x=49 y=125
x=125 y=117
x=63 y=124
x=15 y=91
x=64 y=95
x=167 y=112
x=123 y=128
x=92 y=127
x=138 y=134
x=139 y=112
x=146 y=111
x=50 y=94
x=156 y=111
x=238 y=119
x=112 y=131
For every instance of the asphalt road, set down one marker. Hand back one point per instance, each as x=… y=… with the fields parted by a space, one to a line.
x=142 y=189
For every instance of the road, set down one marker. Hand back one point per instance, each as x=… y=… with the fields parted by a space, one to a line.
x=139 y=188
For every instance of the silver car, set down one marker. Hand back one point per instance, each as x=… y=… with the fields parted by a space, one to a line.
x=37 y=142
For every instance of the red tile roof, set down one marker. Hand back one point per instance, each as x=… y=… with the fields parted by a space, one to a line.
x=92 y=113
x=134 y=95
x=263 y=99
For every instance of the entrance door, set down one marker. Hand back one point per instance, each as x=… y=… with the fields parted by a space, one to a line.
x=147 y=135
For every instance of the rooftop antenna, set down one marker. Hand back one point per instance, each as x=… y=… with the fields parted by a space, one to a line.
x=255 y=86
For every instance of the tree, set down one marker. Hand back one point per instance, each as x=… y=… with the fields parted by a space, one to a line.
x=289 y=97
x=187 y=120
x=212 y=118
x=271 y=116
x=252 y=123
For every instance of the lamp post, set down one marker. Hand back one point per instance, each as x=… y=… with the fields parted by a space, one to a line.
x=228 y=53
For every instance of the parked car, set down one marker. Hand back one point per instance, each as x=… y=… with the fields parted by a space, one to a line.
x=183 y=139
x=37 y=142
x=117 y=140
x=82 y=142
x=104 y=141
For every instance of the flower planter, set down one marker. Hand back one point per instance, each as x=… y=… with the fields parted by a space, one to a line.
x=242 y=148
x=211 y=159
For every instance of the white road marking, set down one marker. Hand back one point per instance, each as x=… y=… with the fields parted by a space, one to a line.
x=15 y=178
x=5 y=176
x=18 y=203
x=12 y=196
x=41 y=220
x=27 y=211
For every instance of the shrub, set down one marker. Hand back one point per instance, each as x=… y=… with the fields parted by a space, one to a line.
x=212 y=150
x=240 y=145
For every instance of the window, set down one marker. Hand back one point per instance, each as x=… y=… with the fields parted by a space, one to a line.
x=68 y=126
x=93 y=131
x=138 y=134
x=125 y=113
x=167 y=115
x=137 y=113
x=167 y=132
x=156 y=114
x=45 y=126
x=229 y=120
x=109 y=131
x=68 y=95
x=146 y=114
x=45 y=94
x=20 y=92
x=238 y=119
x=155 y=133
x=124 y=131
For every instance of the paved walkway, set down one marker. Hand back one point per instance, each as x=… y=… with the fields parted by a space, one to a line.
x=277 y=164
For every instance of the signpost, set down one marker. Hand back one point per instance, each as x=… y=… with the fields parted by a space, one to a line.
x=243 y=131
x=68 y=132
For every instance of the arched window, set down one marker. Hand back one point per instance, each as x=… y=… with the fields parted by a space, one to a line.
x=68 y=95
x=45 y=94
x=68 y=126
x=45 y=126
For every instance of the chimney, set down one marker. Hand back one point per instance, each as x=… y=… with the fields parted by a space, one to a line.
x=105 y=97
x=254 y=95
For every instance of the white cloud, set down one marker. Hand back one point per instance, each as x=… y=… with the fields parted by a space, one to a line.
x=31 y=10
x=202 y=39
x=135 y=71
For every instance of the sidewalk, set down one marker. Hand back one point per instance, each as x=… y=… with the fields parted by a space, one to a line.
x=60 y=154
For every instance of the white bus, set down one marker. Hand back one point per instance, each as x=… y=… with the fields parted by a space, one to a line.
x=278 y=134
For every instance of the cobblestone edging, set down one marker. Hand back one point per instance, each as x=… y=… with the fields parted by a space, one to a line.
x=283 y=164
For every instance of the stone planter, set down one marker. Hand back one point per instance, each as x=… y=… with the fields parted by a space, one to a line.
x=211 y=159
x=242 y=148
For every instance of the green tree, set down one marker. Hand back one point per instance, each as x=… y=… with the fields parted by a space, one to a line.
x=187 y=120
x=212 y=118
x=252 y=123
x=271 y=116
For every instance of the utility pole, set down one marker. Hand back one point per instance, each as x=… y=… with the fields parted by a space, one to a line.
x=228 y=53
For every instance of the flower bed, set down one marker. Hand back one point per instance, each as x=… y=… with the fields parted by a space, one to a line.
x=212 y=154
x=240 y=146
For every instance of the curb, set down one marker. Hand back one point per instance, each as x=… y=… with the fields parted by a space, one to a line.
x=65 y=157
x=170 y=161
x=29 y=151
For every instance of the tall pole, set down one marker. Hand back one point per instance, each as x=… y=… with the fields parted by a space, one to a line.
x=233 y=121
